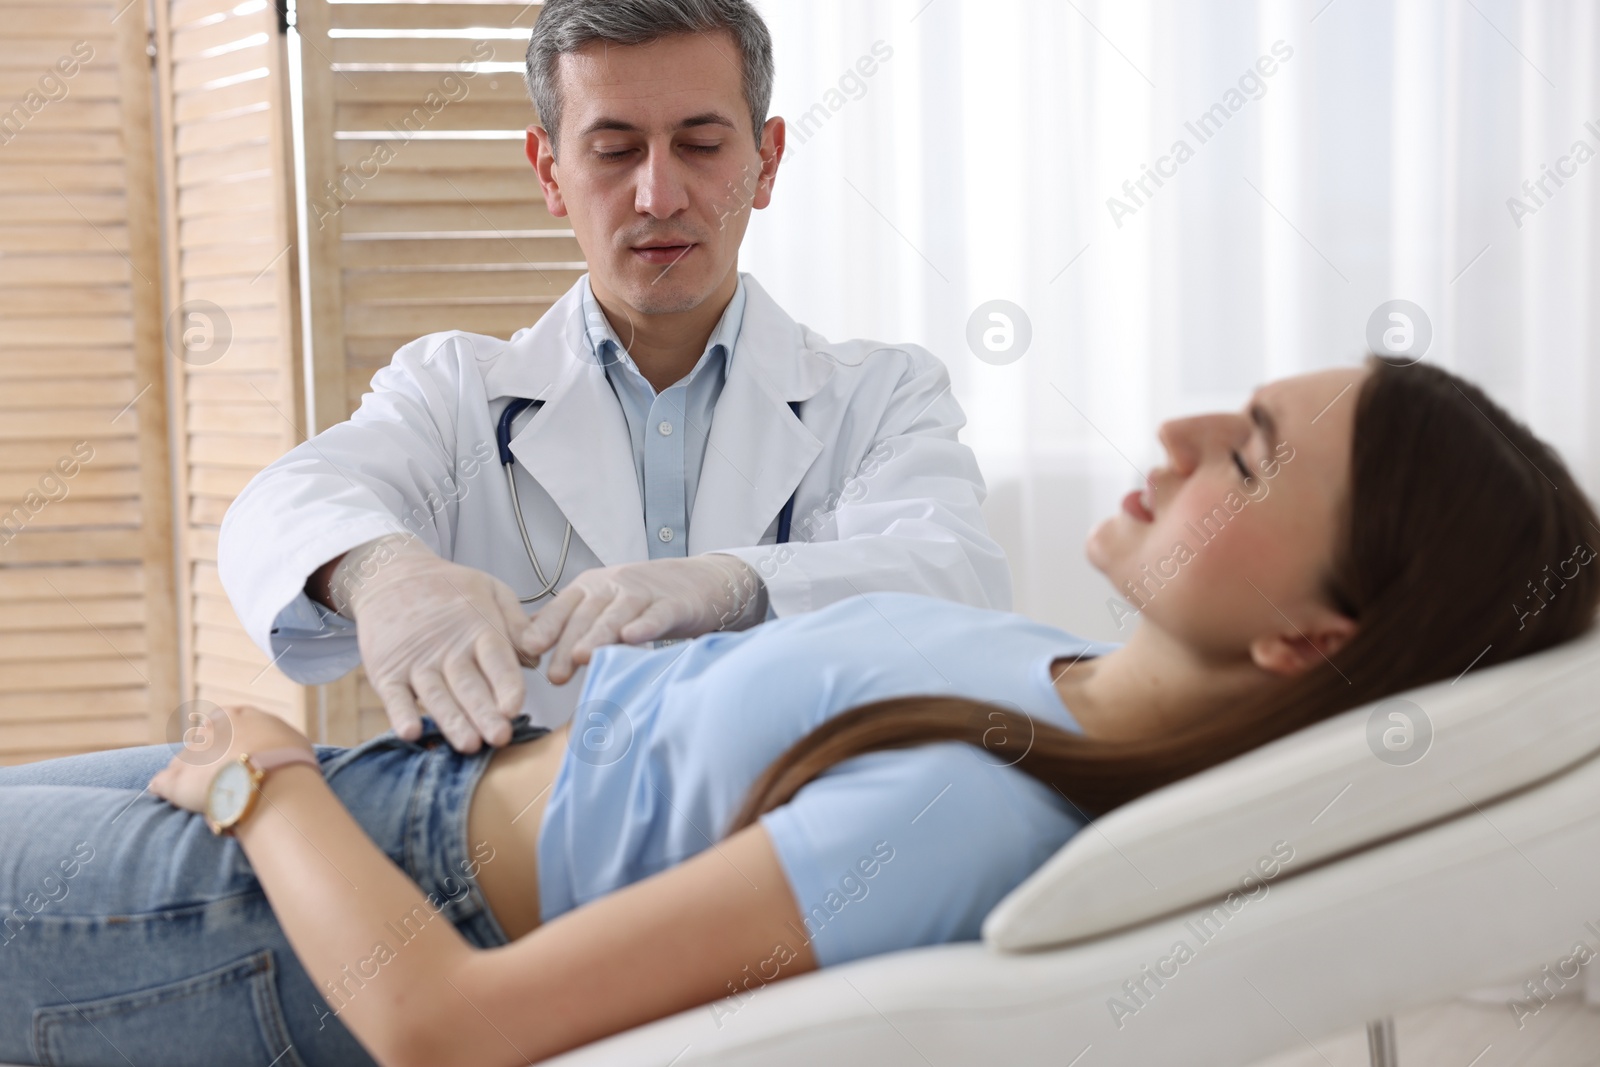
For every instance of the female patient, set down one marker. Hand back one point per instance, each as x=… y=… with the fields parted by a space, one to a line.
x=751 y=806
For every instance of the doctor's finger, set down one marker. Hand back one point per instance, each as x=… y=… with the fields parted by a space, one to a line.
x=402 y=709
x=656 y=621
x=516 y=628
x=500 y=665
x=622 y=616
x=472 y=695
x=547 y=626
x=579 y=623
x=453 y=722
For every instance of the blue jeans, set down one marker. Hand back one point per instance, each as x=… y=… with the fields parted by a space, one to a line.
x=129 y=933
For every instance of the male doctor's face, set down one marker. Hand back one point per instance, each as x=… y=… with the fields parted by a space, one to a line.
x=657 y=167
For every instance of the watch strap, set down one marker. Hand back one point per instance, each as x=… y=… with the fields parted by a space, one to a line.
x=282 y=757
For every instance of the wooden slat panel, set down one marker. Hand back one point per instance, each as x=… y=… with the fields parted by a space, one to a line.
x=47 y=20
x=38 y=583
x=72 y=613
x=98 y=733
x=255 y=681
x=450 y=187
x=437 y=16
x=74 y=270
x=204 y=167
x=559 y=252
x=90 y=83
x=406 y=321
x=436 y=112
x=108 y=703
x=50 y=676
x=73 y=645
x=45 y=146
x=410 y=87
x=191 y=41
x=41 y=453
x=215 y=102
x=226 y=134
x=446 y=155
x=184 y=12
x=69 y=178
x=86 y=484
x=430 y=216
x=72 y=546
x=62 y=392
x=452 y=50
x=200 y=73
x=64 y=237
x=71 y=422
x=537 y=287
x=109 y=208
x=252 y=451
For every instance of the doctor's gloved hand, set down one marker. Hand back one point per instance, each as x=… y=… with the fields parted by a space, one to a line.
x=436 y=638
x=638 y=602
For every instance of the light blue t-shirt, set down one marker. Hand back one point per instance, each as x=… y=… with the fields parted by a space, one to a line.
x=884 y=851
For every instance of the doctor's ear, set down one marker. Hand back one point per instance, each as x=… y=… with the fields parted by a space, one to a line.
x=774 y=140
x=541 y=152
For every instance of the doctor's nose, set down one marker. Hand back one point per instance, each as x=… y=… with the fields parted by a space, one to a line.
x=660 y=191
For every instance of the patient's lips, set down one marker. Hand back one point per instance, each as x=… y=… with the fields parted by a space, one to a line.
x=1135 y=504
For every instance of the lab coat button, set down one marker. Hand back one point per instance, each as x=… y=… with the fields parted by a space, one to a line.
x=665 y=429
x=665 y=533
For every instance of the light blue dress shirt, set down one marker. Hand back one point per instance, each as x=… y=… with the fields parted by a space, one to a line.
x=669 y=429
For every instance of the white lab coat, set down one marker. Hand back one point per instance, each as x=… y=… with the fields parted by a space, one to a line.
x=887 y=498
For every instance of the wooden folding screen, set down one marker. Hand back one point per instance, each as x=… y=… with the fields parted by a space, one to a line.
x=422 y=211
x=88 y=657
x=233 y=310
x=150 y=266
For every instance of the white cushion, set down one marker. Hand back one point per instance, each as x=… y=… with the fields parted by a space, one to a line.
x=1312 y=796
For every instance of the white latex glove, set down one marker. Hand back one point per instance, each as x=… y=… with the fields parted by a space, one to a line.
x=438 y=633
x=638 y=602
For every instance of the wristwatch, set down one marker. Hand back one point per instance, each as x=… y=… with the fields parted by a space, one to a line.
x=236 y=787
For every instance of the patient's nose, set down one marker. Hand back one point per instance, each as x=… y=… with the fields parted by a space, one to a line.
x=1188 y=440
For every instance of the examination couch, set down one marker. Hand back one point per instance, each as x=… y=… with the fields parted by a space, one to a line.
x=1360 y=867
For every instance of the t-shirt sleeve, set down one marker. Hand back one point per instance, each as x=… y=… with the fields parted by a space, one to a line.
x=895 y=849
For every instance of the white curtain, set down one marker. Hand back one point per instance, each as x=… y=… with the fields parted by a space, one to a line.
x=1375 y=161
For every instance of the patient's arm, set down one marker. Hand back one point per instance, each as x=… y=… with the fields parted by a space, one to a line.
x=667 y=943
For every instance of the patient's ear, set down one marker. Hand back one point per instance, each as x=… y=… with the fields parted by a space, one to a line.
x=1289 y=652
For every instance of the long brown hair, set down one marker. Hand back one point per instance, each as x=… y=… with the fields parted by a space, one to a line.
x=1460 y=530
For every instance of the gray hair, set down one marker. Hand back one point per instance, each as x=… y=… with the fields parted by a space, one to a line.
x=565 y=26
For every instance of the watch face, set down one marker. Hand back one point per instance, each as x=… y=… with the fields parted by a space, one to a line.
x=230 y=790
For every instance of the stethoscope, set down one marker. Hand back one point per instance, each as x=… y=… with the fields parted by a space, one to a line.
x=502 y=440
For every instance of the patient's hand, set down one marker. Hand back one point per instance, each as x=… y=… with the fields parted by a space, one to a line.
x=221 y=736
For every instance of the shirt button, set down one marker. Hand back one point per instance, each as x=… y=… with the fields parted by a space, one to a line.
x=665 y=533
x=665 y=429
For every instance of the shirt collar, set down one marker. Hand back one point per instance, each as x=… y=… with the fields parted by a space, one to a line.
x=607 y=349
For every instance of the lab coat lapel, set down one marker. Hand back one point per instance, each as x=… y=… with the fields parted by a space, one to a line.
x=757 y=450
x=577 y=446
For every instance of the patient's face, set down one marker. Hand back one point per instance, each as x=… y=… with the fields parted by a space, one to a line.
x=1237 y=530
x=657 y=167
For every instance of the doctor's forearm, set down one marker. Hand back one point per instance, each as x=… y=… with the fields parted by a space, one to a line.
x=338 y=898
x=318 y=586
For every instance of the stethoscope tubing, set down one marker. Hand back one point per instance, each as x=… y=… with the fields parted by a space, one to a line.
x=502 y=440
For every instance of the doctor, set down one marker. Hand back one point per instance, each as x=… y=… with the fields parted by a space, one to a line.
x=693 y=459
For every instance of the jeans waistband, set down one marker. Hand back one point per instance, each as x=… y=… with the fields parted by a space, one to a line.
x=437 y=853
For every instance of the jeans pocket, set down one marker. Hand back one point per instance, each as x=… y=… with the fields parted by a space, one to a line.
x=229 y=1015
